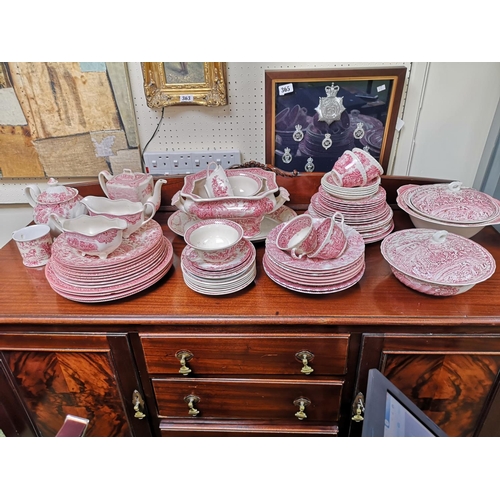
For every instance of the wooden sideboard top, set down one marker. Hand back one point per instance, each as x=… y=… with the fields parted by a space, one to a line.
x=379 y=299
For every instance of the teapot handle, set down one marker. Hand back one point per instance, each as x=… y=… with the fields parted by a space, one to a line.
x=32 y=192
x=104 y=176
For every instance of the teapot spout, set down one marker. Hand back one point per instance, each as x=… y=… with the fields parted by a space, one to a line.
x=155 y=199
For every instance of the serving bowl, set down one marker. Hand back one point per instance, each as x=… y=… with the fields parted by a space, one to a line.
x=467 y=230
x=436 y=262
x=249 y=211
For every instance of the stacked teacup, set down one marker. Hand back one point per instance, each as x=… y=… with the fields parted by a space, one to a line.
x=353 y=188
x=314 y=255
x=217 y=260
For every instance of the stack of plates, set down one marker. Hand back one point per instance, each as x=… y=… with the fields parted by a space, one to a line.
x=316 y=276
x=139 y=262
x=370 y=215
x=210 y=278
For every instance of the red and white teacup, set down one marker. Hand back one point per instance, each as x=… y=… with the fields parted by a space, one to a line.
x=331 y=238
x=298 y=236
x=34 y=244
x=348 y=171
x=372 y=167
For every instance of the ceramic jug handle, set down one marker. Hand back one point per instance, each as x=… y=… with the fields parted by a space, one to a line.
x=152 y=208
x=56 y=221
x=32 y=192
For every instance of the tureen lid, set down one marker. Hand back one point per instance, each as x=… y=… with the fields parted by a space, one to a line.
x=453 y=203
x=129 y=178
x=438 y=257
x=56 y=193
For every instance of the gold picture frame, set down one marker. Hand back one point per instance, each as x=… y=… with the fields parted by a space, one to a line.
x=181 y=84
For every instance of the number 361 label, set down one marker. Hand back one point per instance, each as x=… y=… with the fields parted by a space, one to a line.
x=187 y=98
x=285 y=89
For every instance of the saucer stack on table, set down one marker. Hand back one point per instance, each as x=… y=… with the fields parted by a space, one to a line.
x=140 y=261
x=219 y=278
x=364 y=208
x=315 y=276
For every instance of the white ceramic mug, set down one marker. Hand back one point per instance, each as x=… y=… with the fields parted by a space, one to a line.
x=34 y=244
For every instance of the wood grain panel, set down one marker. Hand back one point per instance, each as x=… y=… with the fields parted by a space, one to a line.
x=18 y=157
x=62 y=100
x=452 y=389
x=179 y=427
x=249 y=399
x=255 y=355
x=54 y=384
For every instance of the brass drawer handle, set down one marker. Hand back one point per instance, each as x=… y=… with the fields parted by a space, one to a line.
x=138 y=403
x=305 y=357
x=358 y=407
x=191 y=400
x=183 y=357
x=301 y=403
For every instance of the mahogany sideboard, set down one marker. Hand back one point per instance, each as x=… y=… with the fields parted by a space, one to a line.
x=120 y=364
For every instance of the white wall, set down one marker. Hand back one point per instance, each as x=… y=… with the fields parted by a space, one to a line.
x=447 y=114
x=450 y=110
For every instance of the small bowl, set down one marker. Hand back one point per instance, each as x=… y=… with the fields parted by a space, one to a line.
x=245 y=184
x=214 y=239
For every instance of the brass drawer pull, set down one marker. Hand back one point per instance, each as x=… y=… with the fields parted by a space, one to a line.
x=183 y=357
x=305 y=357
x=138 y=403
x=191 y=400
x=358 y=407
x=301 y=403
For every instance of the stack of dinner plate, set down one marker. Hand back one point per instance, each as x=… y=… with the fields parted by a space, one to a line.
x=315 y=276
x=364 y=208
x=219 y=278
x=140 y=261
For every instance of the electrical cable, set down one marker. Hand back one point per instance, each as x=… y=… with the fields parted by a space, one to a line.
x=152 y=137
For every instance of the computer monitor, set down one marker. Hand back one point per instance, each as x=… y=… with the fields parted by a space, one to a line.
x=389 y=413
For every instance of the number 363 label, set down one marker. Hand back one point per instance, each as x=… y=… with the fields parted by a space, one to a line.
x=186 y=98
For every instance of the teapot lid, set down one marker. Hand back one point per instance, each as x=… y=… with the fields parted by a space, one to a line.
x=129 y=178
x=56 y=193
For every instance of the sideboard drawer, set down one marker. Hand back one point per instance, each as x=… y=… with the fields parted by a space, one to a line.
x=246 y=355
x=225 y=398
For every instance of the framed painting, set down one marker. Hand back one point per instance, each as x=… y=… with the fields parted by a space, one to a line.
x=313 y=116
x=184 y=83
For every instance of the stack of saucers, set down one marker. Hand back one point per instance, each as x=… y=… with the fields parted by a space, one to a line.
x=314 y=275
x=364 y=208
x=217 y=260
x=140 y=261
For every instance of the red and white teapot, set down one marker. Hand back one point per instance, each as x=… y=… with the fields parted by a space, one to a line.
x=132 y=186
x=58 y=199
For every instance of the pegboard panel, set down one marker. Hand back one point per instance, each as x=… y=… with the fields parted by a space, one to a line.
x=240 y=125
